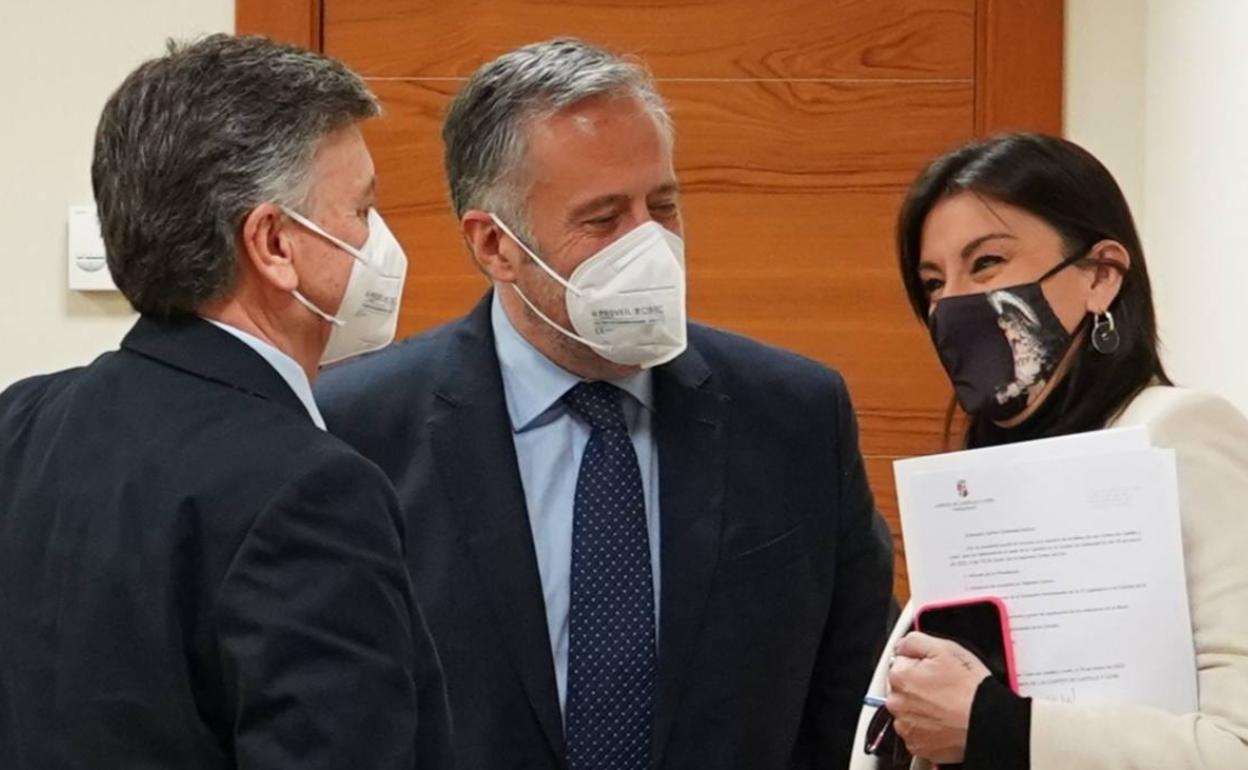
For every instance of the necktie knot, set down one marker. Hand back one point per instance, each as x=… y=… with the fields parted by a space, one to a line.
x=597 y=403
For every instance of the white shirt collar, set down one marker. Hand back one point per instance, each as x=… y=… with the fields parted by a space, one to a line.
x=533 y=383
x=284 y=365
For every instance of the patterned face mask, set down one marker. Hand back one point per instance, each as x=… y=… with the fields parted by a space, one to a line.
x=1000 y=347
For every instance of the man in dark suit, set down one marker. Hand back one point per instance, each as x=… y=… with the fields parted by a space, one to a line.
x=193 y=574
x=641 y=543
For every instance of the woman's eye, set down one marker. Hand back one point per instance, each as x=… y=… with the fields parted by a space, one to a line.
x=933 y=285
x=985 y=262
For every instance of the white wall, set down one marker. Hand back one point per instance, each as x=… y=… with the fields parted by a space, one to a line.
x=1196 y=188
x=1104 y=100
x=59 y=61
x=1159 y=91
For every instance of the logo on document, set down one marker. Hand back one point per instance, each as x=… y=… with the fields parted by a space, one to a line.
x=962 y=491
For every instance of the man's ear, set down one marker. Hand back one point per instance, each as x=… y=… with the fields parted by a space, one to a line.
x=1111 y=263
x=268 y=246
x=494 y=251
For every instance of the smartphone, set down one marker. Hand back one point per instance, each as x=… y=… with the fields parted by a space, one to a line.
x=981 y=625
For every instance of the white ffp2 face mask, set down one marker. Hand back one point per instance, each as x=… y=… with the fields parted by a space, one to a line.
x=627 y=302
x=369 y=313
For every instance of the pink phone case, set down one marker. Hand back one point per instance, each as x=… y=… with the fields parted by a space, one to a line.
x=1011 y=672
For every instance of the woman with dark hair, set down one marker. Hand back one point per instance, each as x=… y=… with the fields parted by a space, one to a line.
x=1020 y=255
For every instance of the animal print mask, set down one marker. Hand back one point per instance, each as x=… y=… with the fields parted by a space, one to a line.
x=1001 y=346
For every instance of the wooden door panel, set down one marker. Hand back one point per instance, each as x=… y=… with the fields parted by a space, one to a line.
x=678 y=39
x=291 y=21
x=900 y=431
x=808 y=272
x=756 y=137
x=764 y=137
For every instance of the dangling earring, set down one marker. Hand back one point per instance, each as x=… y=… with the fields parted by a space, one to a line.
x=1105 y=339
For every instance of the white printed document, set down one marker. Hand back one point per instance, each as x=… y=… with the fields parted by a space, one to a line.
x=1080 y=538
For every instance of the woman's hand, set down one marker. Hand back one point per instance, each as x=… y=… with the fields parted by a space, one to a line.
x=932 y=683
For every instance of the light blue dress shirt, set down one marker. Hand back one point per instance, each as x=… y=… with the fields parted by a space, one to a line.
x=550 y=442
x=286 y=367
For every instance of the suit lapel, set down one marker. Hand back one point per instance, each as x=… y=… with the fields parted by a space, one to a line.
x=690 y=434
x=476 y=459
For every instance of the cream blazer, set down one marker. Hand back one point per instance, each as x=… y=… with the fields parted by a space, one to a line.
x=1210 y=438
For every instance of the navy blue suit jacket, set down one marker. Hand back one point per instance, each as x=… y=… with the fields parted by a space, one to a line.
x=777 y=571
x=193 y=575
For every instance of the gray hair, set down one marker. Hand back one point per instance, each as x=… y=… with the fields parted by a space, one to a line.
x=194 y=140
x=485 y=130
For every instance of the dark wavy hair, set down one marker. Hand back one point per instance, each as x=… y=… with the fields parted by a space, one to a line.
x=1065 y=186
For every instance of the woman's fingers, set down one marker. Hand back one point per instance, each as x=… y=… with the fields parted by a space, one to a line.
x=932 y=684
x=917 y=644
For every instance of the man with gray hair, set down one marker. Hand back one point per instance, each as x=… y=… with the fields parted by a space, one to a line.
x=193 y=573
x=644 y=543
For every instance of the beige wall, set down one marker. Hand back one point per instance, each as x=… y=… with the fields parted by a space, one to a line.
x=1158 y=89
x=60 y=60
x=1104 y=70
x=1196 y=188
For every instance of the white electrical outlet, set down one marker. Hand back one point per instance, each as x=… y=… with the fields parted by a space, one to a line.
x=88 y=269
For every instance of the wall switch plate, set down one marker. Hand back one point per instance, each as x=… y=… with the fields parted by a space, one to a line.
x=88 y=269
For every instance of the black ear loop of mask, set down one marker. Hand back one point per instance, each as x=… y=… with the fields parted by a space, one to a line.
x=1078 y=256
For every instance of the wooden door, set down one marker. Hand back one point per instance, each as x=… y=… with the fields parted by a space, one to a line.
x=799 y=125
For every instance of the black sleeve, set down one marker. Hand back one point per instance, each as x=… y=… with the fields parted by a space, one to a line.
x=999 y=736
x=862 y=601
x=315 y=626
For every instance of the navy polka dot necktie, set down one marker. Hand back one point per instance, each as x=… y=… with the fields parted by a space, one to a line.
x=611 y=656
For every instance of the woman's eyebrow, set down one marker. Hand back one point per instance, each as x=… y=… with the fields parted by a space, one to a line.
x=970 y=247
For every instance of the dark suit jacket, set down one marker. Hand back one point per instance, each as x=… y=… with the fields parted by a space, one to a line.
x=776 y=569
x=192 y=575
